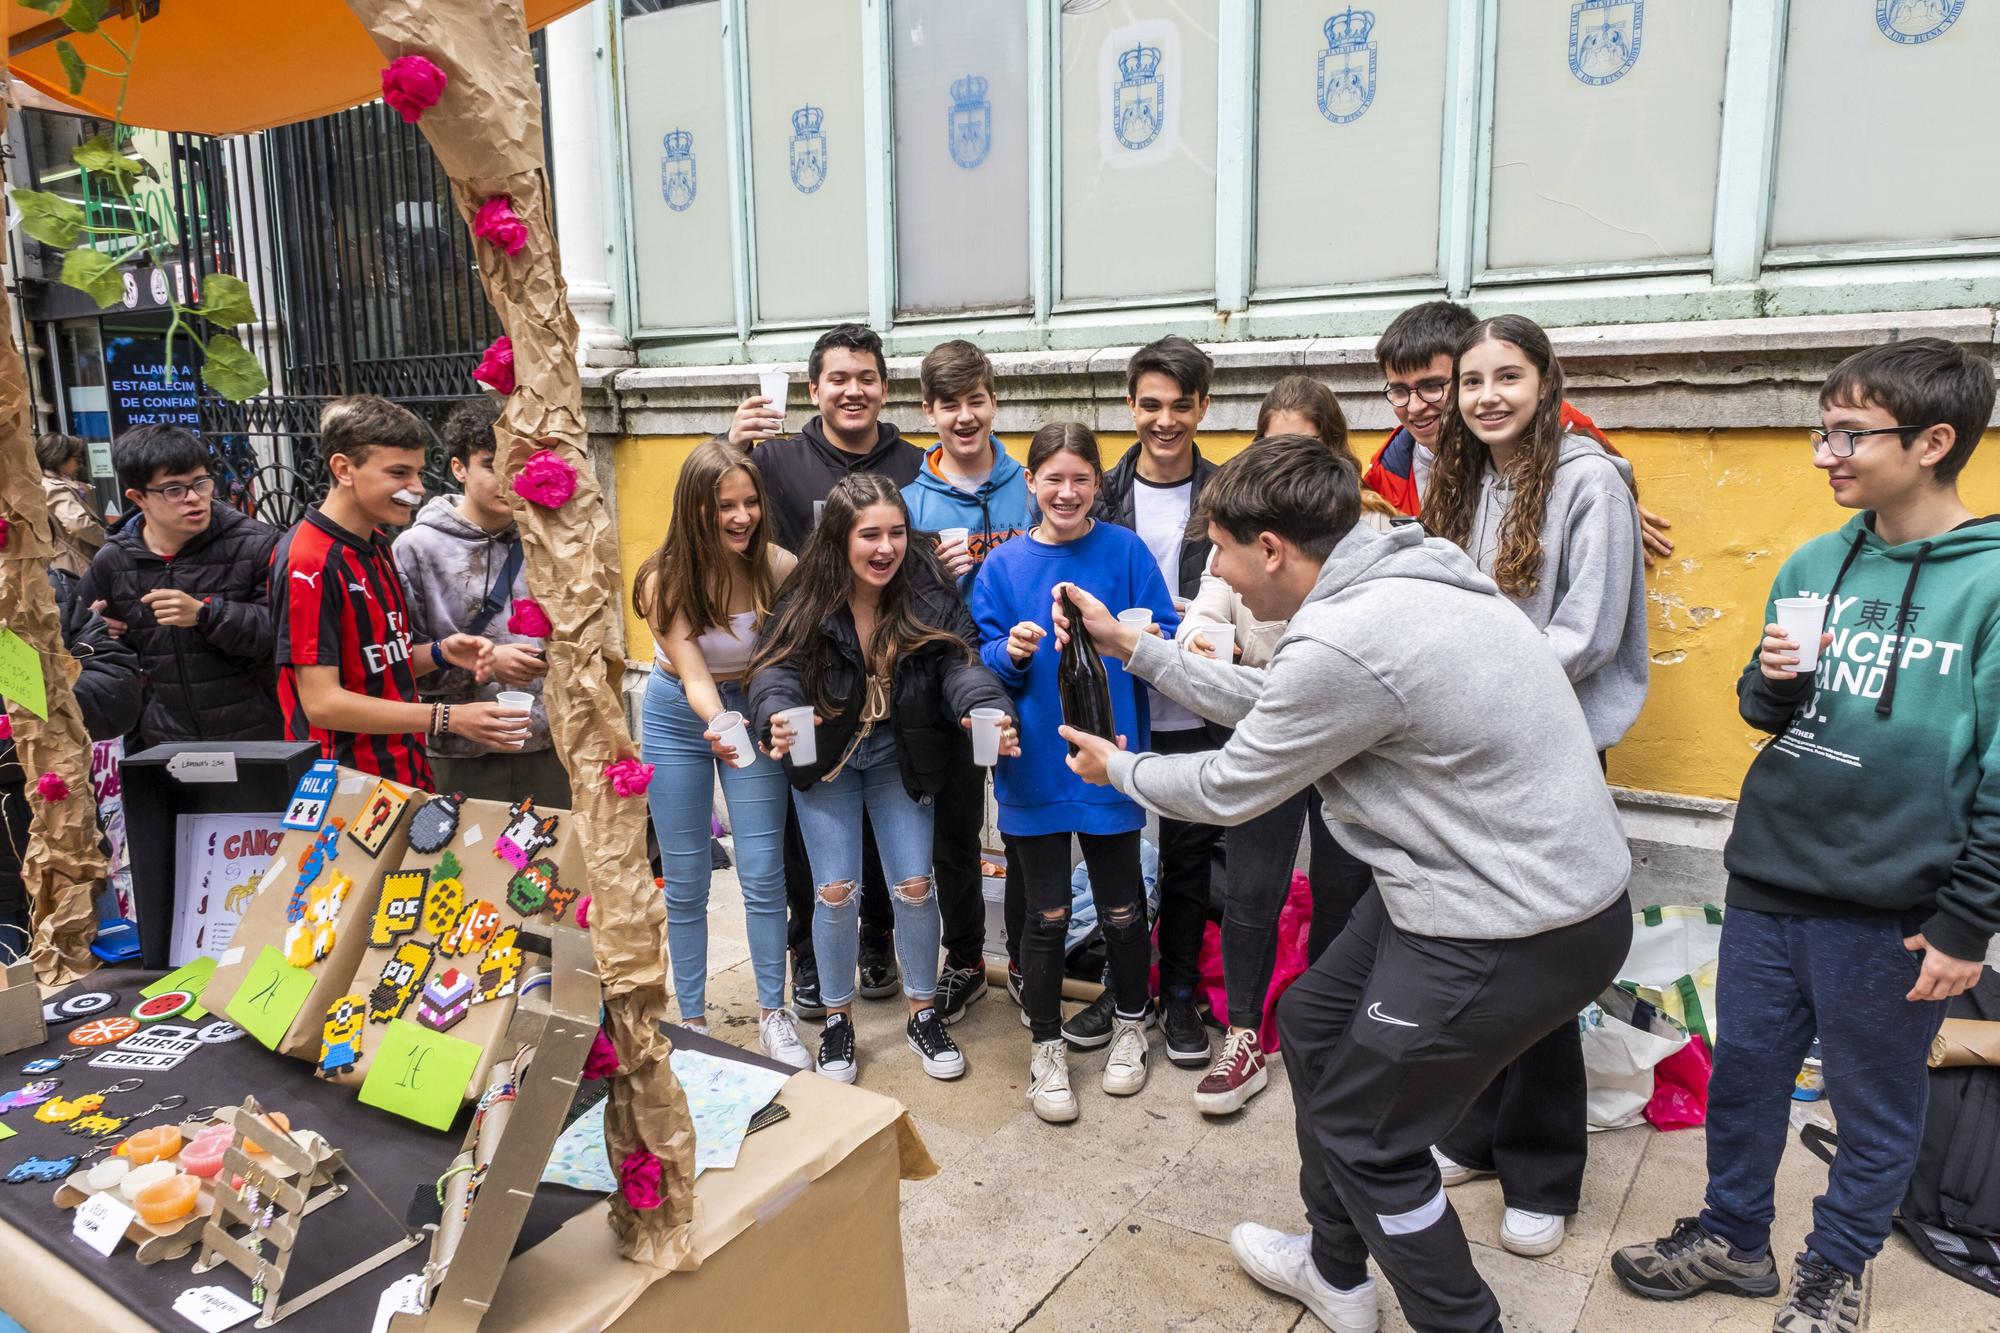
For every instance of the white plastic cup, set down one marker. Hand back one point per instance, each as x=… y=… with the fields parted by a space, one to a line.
x=819 y=507
x=1141 y=616
x=729 y=727
x=805 y=739
x=1804 y=618
x=516 y=701
x=986 y=735
x=1221 y=640
x=953 y=536
x=773 y=385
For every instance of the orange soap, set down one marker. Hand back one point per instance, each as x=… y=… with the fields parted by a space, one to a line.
x=167 y=1200
x=277 y=1120
x=152 y=1145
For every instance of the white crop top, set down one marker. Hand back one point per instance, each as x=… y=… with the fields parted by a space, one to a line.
x=727 y=651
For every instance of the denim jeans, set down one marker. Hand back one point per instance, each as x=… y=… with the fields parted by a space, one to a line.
x=1119 y=890
x=682 y=799
x=830 y=821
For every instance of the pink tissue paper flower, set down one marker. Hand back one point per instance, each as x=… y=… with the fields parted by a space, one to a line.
x=51 y=787
x=3 y=533
x=412 y=85
x=529 y=619
x=583 y=913
x=602 y=1062
x=629 y=777
x=496 y=366
x=496 y=222
x=545 y=479
x=6 y=727
x=639 y=1180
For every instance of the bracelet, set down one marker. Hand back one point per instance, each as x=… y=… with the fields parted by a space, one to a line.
x=445 y=726
x=437 y=656
x=436 y=716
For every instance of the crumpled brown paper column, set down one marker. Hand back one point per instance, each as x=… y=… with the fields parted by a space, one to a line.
x=487 y=133
x=62 y=865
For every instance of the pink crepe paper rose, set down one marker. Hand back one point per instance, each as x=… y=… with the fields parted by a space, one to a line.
x=496 y=222
x=528 y=619
x=496 y=366
x=4 y=525
x=602 y=1062
x=639 y=1180
x=583 y=913
x=6 y=727
x=51 y=787
x=629 y=777
x=546 y=480
x=412 y=85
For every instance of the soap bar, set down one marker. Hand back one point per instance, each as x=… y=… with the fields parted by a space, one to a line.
x=167 y=1200
x=153 y=1145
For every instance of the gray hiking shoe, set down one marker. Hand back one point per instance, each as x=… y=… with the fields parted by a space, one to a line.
x=1822 y=1300
x=1690 y=1261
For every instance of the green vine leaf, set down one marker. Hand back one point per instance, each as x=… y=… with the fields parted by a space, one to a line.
x=73 y=67
x=227 y=301
x=94 y=274
x=44 y=6
x=230 y=370
x=49 y=218
x=98 y=155
x=84 y=15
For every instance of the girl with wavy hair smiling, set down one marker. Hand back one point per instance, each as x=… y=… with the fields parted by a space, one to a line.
x=1549 y=517
x=705 y=593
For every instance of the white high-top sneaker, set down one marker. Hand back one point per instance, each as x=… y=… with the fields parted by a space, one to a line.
x=1125 y=1069
x=1048 y=1082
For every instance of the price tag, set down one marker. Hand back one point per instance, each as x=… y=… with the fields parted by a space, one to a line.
x=307 y=808
x=203 y=766
x=419 y=1074
x=403 y=1296
x=213 y=1308
x=21 y=674
x=193 y=977
x=101 y=1220
x=270 y=998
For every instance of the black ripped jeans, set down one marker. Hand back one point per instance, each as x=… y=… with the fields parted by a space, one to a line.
x=1120 y=893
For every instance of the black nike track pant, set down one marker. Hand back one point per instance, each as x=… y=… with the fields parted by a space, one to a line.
x=1389 y=1037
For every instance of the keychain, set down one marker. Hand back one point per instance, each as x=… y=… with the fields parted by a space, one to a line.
x=56 y=1110
x=49 y=1064
x=39 y=1091
x=47 y=1170
x=97 y=1126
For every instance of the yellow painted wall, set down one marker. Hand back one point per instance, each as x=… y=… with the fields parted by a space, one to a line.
x=1740 y=501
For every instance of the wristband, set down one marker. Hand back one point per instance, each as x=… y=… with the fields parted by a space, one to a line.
x=437 y=655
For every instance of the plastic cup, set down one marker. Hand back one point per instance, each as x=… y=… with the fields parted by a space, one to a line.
x=1804 y=618
x=729 y=726
x=986 y=735
x=1221 y=640
x=953 y=536
x=819 y=507
x=1141 y=616
x=516 y=701
x=805 y=740
x=773 y=384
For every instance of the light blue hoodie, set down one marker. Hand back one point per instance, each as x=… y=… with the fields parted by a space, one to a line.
x=997 y=511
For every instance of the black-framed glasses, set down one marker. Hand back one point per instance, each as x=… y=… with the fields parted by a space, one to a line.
x=176 y=491
x=1840 y=443
x=1431 y=391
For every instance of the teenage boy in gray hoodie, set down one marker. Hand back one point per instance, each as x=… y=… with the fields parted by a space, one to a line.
x=462 y=563
x=1452 y=756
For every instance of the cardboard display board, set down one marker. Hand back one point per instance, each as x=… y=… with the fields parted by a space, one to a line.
x=328 y=939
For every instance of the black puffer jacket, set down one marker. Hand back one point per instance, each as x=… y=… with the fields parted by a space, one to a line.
x=1116 y=505
x=933 y=688
x=216 y=681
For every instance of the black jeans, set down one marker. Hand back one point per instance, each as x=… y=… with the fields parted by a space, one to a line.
x=1531 y=1126
x=878 y=917
x=956 y=819
x=1187 y=860
x=1390 y=1037
x=1120 y=894
x=1261 y=854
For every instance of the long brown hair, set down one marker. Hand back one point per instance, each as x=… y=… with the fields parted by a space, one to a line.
x=688 y=574
x=1316 y=403
x=1451 y=504
x=823 y=584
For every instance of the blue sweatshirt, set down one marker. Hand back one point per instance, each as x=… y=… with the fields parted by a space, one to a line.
x=998 y=511
x=1036 y=790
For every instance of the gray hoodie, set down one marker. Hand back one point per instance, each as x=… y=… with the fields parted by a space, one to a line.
x=1592 y=598
x=1438 y=727
x=448 y=562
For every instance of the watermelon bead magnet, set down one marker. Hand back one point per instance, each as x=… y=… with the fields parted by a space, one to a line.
x=167 y=1004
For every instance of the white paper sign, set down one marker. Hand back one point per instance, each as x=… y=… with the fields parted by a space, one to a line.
x=213 y=1308
x=221 y=857
x=403 y=1296
x=203 y=766
x=101 y=1220
x=471 y=838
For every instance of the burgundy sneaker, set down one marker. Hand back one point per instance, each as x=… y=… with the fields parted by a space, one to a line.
x=1237 y=1075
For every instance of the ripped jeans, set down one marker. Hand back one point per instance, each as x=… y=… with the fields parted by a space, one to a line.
x=830 y=822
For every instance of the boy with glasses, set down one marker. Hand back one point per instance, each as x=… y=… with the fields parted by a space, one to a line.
x=1864 y=865
x=184 y=580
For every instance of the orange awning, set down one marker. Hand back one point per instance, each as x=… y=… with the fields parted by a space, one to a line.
x=220 y=66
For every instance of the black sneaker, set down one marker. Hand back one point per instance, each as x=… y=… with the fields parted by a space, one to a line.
x=836 y=1049
x=957 y=988
x=1187 y=1036
x=1823 y=1299
x=805 y=989
x=928 y=1038
x=879 y=977
x=1014 y=984
x=1091 y=1025
x=1690 y=1261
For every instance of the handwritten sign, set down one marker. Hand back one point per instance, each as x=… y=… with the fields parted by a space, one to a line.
x=419 y=1074
x=191 y=979
x=101 y=1220
x=203 y=766
x=307 y=809
x=21 y=674
x=213 y=1308
x=270 y=997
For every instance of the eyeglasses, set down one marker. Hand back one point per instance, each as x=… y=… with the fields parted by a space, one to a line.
x=176 y=491
x=1431 y=391
x=1840 y=443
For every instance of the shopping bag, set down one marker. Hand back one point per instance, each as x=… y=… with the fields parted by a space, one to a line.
x=1672 y=964
x=1624 y=1040
x=1294 y=926
x=1680 y=1087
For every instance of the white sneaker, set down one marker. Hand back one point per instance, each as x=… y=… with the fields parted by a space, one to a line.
x=1454 y=1173
x=1284 y=1264
x=1048 y=1082
x=778 y=1037
x=1531 y=1234
x=1125 y=1071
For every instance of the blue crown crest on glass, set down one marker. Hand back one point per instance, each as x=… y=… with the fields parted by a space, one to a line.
x=968 y=91
x=1349 y=28
x=680 y=146
x=1139 y=63
x=806 y=120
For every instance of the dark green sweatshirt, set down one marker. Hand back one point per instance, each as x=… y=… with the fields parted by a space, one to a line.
x=1880 y=792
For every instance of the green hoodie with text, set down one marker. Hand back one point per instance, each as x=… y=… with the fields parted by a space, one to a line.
x=1879 y=793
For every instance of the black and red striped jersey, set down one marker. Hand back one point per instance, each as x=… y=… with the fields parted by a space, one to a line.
x=338 y=600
